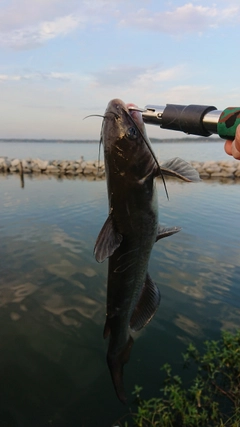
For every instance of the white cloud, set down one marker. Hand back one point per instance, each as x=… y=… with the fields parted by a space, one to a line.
x=188 y=94
x=155 y=75
x=26 y=23
x=24 y=13
x=5 y=78
x=183 y=19
x=124 y=75
x=59 y=26
x=38 y=76
x=120 y=75
x=31 y=36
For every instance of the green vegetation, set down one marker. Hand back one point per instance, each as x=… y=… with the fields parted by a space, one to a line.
x=212 y=399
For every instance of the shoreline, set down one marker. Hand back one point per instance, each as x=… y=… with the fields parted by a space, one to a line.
x=207 y=170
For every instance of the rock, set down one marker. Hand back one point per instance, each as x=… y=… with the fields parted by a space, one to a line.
x=237 y=173
x=79 y=171
x=213 y=169
x=26 y=163
x=208 y=164
x=228 y=163
x=83 y=165
x=52 y=169
x=217 y=174
x=56 y=162
x=70 y=172
x=64 y=164
x=42 y=164
x=15 y=162
x=5 y=164
x=89 y=169
x=71 y=167
x=230 y=170
x=204 y=174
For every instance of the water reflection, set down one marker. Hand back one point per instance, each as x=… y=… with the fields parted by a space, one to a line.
x=52 y=295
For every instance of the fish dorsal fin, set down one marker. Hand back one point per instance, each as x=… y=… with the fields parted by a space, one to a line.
x=180 y=169
x=108 y=241
x=147 y=305
x=165 y=232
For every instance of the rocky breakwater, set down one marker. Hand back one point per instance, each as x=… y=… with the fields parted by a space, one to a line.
x=218 y=169
x=209 y=169
x=57 y=167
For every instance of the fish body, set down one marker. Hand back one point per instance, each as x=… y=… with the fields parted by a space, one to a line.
x=129 y=232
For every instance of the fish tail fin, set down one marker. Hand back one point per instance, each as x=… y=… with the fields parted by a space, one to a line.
x=116 y=364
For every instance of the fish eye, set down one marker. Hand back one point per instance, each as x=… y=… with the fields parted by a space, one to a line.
x=131 y=133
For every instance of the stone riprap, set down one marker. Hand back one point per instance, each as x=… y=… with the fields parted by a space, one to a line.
x=219 y=169
x=58 y=167
x=209 y=169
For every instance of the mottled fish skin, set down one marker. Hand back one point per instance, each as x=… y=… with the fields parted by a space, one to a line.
x=129 y=232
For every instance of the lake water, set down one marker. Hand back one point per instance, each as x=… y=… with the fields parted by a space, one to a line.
x=52 y=291
x=199 y=151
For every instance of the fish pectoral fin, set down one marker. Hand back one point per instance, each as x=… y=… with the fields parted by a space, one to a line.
x=180 y=169
x=147 y=305
x=166 y=231
x=108 y=241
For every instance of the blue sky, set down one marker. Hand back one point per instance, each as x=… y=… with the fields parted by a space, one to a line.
x=62 y=60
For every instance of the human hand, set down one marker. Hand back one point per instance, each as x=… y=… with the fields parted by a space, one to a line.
x=233 y=147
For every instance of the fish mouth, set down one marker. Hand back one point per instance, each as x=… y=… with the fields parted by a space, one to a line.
x=135 y=113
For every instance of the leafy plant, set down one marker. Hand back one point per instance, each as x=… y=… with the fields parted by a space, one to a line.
x=213 y=398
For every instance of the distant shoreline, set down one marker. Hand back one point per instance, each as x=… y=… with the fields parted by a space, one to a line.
x=186 y=139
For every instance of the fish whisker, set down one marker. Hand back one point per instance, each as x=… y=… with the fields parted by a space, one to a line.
x=100 y=115
x=99 y=152
x=94 y=115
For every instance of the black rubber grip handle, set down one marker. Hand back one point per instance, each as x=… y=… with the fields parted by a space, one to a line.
x=188 y=119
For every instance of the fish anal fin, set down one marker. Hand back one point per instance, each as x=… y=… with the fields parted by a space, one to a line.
x=165 y=232
x=108 y=241
x=180 y=169
x=116 y=364
x=147 y=305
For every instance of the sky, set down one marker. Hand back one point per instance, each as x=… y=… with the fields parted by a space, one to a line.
x=63 y=60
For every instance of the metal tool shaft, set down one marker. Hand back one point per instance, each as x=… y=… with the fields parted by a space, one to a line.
x=194 y=119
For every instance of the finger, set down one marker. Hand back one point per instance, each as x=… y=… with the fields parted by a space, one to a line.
x=228 y=147
x=235 y=152
x=237 y=138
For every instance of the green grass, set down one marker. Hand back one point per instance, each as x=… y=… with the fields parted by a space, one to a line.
x=211 y=400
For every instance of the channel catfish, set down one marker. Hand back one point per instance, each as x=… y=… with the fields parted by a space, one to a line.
x=131 y=229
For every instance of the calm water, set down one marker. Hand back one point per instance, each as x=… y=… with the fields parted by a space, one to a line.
x=200 y=151
x=52 y=294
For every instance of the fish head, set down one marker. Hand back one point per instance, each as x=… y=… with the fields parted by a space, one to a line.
x=127 y=149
